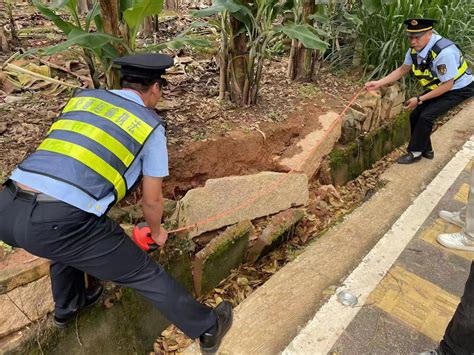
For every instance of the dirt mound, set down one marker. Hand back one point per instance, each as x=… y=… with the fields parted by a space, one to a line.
x=240 y=152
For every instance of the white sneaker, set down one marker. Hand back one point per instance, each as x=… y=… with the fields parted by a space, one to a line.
x=452 y=217
x=460 y=241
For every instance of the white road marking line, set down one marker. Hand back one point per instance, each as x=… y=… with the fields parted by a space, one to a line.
x=322 y=332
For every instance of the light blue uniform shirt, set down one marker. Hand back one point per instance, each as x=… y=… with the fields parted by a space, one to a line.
x=450 y=57
x=151 y=161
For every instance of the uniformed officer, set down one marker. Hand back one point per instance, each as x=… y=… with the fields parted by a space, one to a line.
x=54 y=204
x=437 y=63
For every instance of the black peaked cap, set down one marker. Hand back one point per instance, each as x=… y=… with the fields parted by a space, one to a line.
x=415 y=25
x=149 y=65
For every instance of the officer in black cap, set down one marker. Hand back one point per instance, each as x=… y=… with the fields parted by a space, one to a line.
x=54 y=205
x=437 y=63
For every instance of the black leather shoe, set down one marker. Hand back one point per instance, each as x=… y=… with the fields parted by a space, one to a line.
x=408 y=159
x=428 y=154
x=92 y=297
x=210 y=341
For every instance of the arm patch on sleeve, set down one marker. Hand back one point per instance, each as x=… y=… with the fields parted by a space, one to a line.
x=442 y=69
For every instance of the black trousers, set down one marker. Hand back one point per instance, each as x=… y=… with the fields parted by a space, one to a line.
x=78 y=242
x=459 y=336
x=423 y=116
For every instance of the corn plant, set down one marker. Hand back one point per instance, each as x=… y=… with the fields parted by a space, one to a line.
x=382 y=36
x=247 y=28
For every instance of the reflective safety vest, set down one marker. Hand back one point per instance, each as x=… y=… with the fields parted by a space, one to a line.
x=95 y=140
x=426 y=74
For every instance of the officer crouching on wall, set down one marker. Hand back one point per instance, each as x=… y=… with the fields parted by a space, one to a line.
x=438 y=64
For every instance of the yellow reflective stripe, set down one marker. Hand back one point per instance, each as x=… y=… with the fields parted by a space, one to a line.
x=425 y=82
x=98 y=135
x=419 y=72
x=89 y=159
x=462 y=69
x=133 y=125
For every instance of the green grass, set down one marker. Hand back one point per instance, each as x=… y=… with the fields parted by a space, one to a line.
x=382 y=32
x=308 y=91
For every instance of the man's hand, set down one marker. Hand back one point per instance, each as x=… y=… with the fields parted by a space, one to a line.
x=411 y=103
x=161 y=237
x=152 y=205
x=372 y=85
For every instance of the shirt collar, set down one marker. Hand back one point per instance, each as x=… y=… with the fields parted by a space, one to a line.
x=129 y=94
x=424 y=52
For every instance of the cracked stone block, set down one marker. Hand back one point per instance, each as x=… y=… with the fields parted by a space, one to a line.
x=224 y=253
x=278 y=230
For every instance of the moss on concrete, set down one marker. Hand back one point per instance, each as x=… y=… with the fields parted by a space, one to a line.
x=96 y=331
x=130 y=326
x=220 y=256
x=350 y=161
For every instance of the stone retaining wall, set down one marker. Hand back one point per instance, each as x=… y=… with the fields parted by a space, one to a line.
x=371 y=111
x=349 y=161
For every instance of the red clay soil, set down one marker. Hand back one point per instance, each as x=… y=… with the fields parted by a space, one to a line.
x=238 y=153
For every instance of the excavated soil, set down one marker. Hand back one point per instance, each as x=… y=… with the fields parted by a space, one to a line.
x=240 y=152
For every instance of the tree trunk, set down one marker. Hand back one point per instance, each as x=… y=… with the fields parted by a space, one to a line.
x=237 y=74
x=110 y=11
x=156 y=23
x=89 y=59
x=4 y=47
x=171 y=5
x=292 y=58
x=303 y=60
x=147 y=26
x=82 y=6
x=4 y=44
x=15 y=41
x=223 y=65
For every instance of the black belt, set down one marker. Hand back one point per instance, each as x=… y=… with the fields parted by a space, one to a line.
x=28 y=195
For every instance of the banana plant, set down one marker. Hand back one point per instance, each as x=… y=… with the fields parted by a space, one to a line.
x=134 y=13
x=338 y=26
x=246 y=29
x=108 y=32
x=96 y=47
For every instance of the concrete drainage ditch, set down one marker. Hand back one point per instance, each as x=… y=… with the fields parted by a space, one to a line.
x=124 y=322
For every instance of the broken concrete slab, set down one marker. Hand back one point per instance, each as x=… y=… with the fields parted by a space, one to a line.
x=226 y=201
x=314 y=146
x=25 y=304
x=220 y=256
x=20 y=268
x=278 y=230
